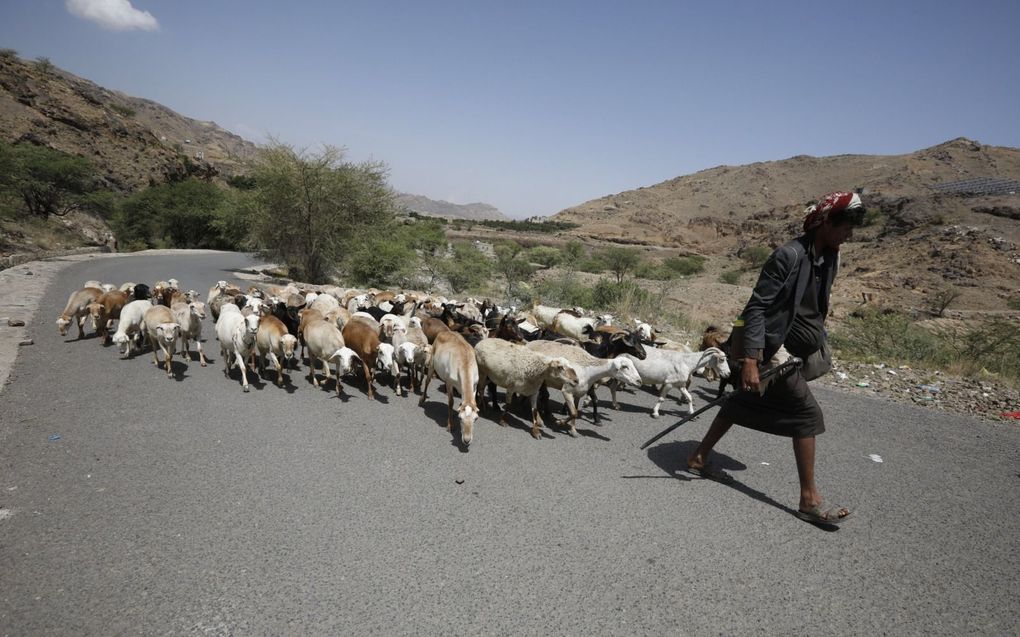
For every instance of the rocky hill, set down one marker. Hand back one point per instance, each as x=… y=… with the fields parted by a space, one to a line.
x=133 y=141
x=949 y=214
x=433 y=208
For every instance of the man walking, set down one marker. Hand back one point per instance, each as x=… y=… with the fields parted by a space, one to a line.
x=785 y=316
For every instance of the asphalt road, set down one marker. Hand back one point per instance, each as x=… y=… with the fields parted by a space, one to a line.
x=188 y=507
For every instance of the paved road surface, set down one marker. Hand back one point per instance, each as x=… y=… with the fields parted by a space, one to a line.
x=188 y=507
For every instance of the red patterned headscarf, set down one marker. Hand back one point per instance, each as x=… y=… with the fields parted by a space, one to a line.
x=832 y=204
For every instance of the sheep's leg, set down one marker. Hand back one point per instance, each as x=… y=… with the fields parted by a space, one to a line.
x=536 y=418
x=81 y=327
x=155 y=358
x=395 y=373
x=568 y=402
x=275 y=362
x=244 y=370
x=425 y=388
x=369 y=377
x=201 y=356
x=168 y=357
x=594 y=404
x=543 y=400
x=686 y=395
x=492 y=395
x=612 y=392
x=662 y=396
x=311 y=369
x=449 y=406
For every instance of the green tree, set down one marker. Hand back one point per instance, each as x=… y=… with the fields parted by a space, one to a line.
x=467 y=268
x=571 y=254
x=181 y=215
x=620 y=261
x=312 y=209
x=512 y=265
x=46 y=181
x=427 y=239
x=544 y=255
x=380 y=261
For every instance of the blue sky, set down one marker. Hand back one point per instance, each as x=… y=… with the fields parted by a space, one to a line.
x=537 y=106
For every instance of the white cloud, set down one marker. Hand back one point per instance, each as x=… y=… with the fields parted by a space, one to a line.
x=117 y=15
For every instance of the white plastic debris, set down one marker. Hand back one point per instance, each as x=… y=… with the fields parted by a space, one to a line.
x=765 y=463
x=841 y=376
x=891 y=372
x=875 y=457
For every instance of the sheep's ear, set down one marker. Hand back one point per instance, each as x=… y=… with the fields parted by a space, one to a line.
x=618 y=336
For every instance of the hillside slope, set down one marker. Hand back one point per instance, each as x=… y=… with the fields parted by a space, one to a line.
x=433 y=208
x=921 y=238
x=132 y=141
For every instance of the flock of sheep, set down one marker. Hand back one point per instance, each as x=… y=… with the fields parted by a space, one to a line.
x=471 y=346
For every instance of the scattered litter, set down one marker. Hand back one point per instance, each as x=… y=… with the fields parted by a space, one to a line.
x=933 y=389
x=875 y=457
x=891 y=372
x=1014 y=415
x=985 y=395
x=904 y=367
x=12 y=488
x=765 y=463
x=459 y=480
x=15 y=323
x=54 y=437
x=863 y=385
x=26 y=342
x=841 y=376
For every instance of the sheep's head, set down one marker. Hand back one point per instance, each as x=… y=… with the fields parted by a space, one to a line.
x=167 y=333
x=108 y=287
x=345 y=360
x=251 y=324
x=720 y=364
x=63 y=325
x=197 y=309
x=467 y=415
x=95 y=313
x=603 y=319
x=384 y=357
x=289 y=344
x=624 y=369
x=560 y=369
x=414 y=321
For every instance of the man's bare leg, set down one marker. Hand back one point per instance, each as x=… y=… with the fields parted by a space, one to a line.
x=804 y=452
x=715 y=432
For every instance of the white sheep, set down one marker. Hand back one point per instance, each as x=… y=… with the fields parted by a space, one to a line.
x=645 y=331
x=386 y=361
x=673 y=370
x=520 y=371
x=236 y=334
x=130 y=324
x=589 y=369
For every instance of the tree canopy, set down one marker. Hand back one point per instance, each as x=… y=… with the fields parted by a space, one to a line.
x=312 y=210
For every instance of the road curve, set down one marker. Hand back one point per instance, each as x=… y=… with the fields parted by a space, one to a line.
x=187 y=506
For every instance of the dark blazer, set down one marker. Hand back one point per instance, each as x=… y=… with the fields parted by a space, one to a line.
x=769 y=313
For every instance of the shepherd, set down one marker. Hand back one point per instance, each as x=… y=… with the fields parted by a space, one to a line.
x=785 y=317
